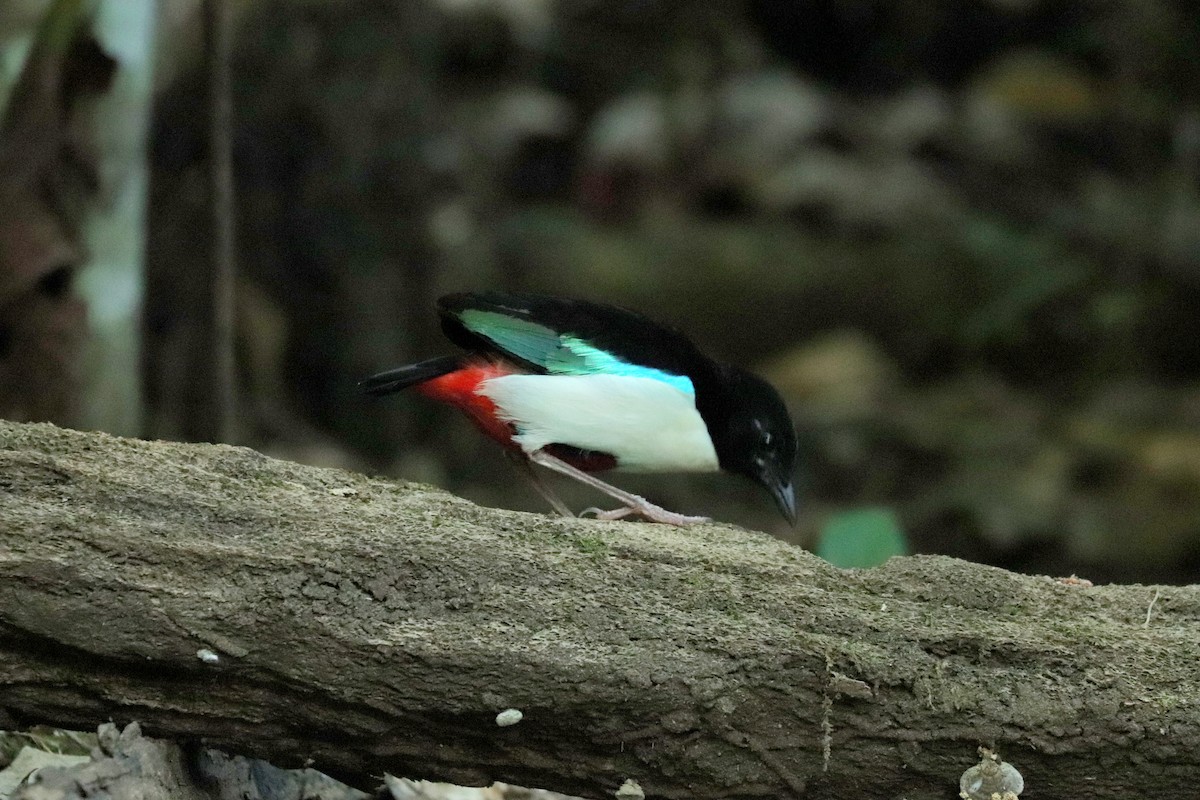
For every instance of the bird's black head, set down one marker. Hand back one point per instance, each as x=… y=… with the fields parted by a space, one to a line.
x=753 y=435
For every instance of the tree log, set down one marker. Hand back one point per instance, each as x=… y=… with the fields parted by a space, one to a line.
x=313 y=616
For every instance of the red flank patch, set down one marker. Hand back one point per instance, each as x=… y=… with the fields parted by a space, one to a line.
x=460 y=389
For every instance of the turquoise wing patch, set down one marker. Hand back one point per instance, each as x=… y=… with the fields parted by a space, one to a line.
x=526 y=340
x=559 y=354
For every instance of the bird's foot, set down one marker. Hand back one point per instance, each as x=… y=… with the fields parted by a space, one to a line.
x=600 y=513
x=633 y=503
x=647 y=510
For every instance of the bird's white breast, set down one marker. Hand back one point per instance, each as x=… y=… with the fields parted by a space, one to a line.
x=648 y=425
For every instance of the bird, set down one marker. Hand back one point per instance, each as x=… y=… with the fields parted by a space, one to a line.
x=580 y=387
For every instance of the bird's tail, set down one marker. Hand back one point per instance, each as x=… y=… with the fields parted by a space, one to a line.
x=403 y=377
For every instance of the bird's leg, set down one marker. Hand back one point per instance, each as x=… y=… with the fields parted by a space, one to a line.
x=600 y=513
x=633 y=503
x=522 y=463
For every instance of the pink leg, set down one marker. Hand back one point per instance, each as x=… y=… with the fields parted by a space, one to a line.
x=545 y=491
x=633 y=503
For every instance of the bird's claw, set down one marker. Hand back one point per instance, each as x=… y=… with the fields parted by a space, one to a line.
x=648 y=511
x=599 y=513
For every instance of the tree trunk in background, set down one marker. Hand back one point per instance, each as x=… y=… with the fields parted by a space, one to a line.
x=294 y=613
x=218 y=67
x=47 y=181
x=333 y=119
x=112 y=284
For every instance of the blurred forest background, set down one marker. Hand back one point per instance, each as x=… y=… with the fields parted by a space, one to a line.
x=961 y=236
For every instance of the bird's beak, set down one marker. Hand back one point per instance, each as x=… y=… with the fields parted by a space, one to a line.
x=785 y=498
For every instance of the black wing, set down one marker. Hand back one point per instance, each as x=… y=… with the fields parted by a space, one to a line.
x=540 y=321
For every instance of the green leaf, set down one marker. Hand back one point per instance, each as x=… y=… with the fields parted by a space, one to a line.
x=863 y=537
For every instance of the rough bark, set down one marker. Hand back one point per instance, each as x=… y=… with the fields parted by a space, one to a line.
x=366 y=626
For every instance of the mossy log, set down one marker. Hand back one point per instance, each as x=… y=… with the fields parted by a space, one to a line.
x=312 y=616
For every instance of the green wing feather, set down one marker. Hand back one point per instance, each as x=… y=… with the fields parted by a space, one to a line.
x=558 y=354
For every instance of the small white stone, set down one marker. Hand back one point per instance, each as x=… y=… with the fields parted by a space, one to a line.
x=630 y=790
x=207 y=656
x=509 y=716
x=991 y=778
